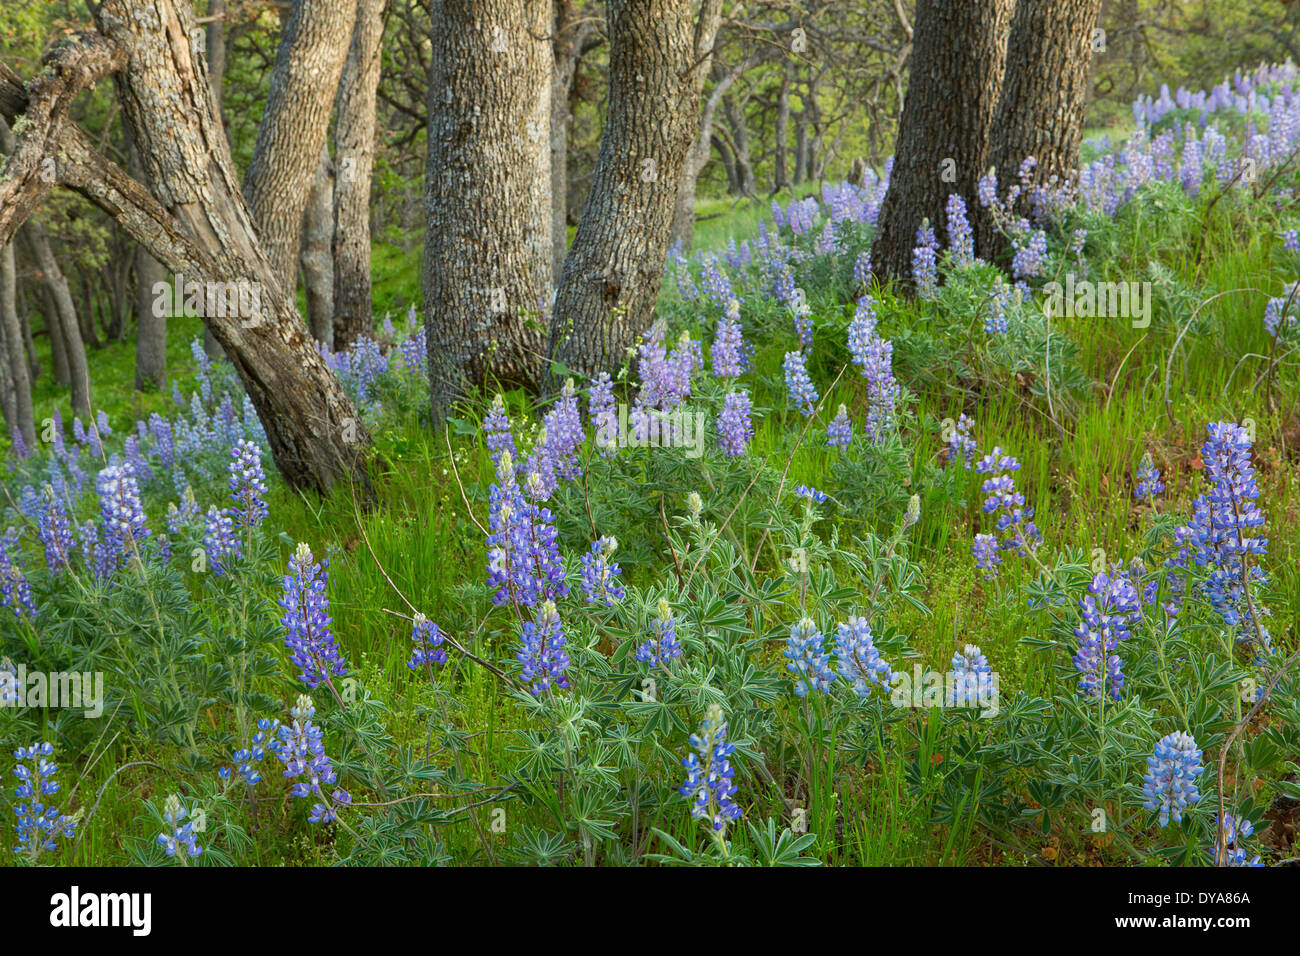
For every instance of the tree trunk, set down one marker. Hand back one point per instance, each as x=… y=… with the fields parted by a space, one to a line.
x=569 y=33
x=18 y=409
x=74 y=349
x=1045 y=91
x=706 y=32
x=488 y=248
x=612 y=274
x=294 y=127
x=739 y=127
x=779 y=176
x=58 y=348
x=316 y=256
x=955 y=80
x=354 y=153
x=216 y=43
x=151 y=317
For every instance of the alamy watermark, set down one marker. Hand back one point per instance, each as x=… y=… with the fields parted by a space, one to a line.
x=931 y=688
x=236 y=299
x=1115 y=300
x=73 y=690
x=648 y=428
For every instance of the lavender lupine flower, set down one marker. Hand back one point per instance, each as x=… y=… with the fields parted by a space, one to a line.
x=1109 y=610
x=987 y=556
x=970 y=678
x=862 y=268
x=727 y=353
x=1222 y=532
x=1170 y=783
x=803 y=323
x=663 y=645
x=803 y=393
x=862 y=329
x=1148 y=479
x=600 y=574
x=247 y=484
x=810 y=494
x=995 y=323
x=709 y=773
x=859 y=660
x=246 y=758
x=39 y=825
x=556 y=454
x=301 y=748
x=428 y=641
x=9 y=683
x=1003 y=497
x=961 y=238
x=497 y=428
x=805 y=648
x=119 y=500
x=1291 y=241
x=180 y=832
x=220 y=543
x=925 y=262
x=313 y=648
x=603 y=412
x=1229 y=833
x=542 y=651
x=1030 y=255
x=1280 y=312
x=961 y=444
x=735 y=429
x=839 y=433
x=716 y=284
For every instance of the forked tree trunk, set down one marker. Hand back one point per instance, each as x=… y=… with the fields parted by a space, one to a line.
x=612 y=274
x=74 y=349
x=354 y=157
x=294 y=127
x=18 y=384
x=1045 y=91
x=952 y=95
x=487 y=251
x=316 y=256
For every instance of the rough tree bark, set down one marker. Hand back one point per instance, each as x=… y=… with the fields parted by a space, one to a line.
x=294 y=127
x=316 y=256
x=611 y=277
x=952 y=95
x=1045 y=90
x=194 y=222
x=18 y=410
x=216 y=44
x=354 y=157
x=487 y=250
x=151 y=321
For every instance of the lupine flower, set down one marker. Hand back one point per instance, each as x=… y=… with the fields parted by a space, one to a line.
x=1030 y=254
x=542 y=652
x=1003 y=499
x=39 y=825
x=556 y=454
x=961 y=444
x=524 y=562
x=862 y=328
x=839 y=433
x=729 y=344
x=1170 y=783
x=961 y=239
x=1280 y=312
x=1291 y=241
x=178 y=834
x=803 y=393
x=803 y=324
x=9 y=684
x=859 y=661
x=709 y=773
x=1148 y=479
x=862 y=268
x=602 y=411
x=497 y=428
x=246 y=758
x=306 y=620
x=428 y=642
x=663 y=645
x=247 y=484
x=301 y=748
x=735 y=429
x=806 y=650
x=995 y=323
x=810 y=494
x=1109 y=609
x=987 y=557
x=1221 y=532
x=220 y=543
x=1229 y=833
x=600 y=574
x=15 y=592
x=970 y=677
x=925 y=262
x=119 y=500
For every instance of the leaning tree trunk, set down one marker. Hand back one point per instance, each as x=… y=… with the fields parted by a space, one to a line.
x=952 y=94
x=294 y=127
x=315 y=257
x=19 y=409
x=487 y=250
x=354 y=155
x=151 y=318
x=74 y=348
x=706 y=31
x=612 y=274
x=58 y=349
x=1045 y=90
x=216 y=44
x=194 y=221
